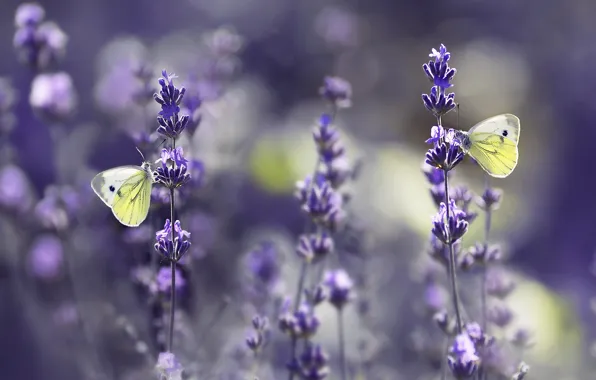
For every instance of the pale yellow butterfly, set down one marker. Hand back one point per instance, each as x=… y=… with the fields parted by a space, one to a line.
x=127 y=191
x=493 y=144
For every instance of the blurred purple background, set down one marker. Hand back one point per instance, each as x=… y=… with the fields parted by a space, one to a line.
x=532 y=58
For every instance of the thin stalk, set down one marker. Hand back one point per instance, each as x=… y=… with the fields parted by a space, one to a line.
x=173 y=268
x=342 y=344
x=452 y=268
x=487 y=224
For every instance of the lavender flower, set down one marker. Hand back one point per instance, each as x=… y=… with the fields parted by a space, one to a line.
x=46 y=257
x=257 y=340
x=15 y=190
x=164 y=280
x=498 y=283
x=38 y=44
x=340 y=287
x=481 y=254
x=312 y=364
x=445 y=157
x=338 y=91
x=53 y=96
x=168 y=366
x=58 y=207
x=438 y=102
x=322 y=203
x=173 y=169
x=263 y=263
x=522 y=338
x=490 y=199
x=449 y=229
x=500 y=315
x=463 y=360
x=301 y=323
x=438 y=71
x=314 y=247
x=172 y=250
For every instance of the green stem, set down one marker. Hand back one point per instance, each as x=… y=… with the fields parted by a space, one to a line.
x=452 y=267
x=342 y=345
x=173 y=268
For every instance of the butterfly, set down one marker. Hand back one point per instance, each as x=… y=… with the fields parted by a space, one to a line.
x=492 y=143
x=127 y=191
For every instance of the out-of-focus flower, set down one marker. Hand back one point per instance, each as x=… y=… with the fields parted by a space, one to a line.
x=490 y=199
x=500 y=315
x=481 y=254
x=522 y=371
x=477 y=335
x=168 y=366
x=463 y=360
x=263 y=263
x=340 y=286
x=172 y=250
x=58 y=207
x=498 y=283
x=173 y=169
x=338 y=91
x=337 y=26
x=29 y=14
x=66 y=315
x=312 y=364
x=38 y=44
x=15 y=190
x=522 y=338
x=315 y=247
x=257 y=340
x=321 y=202
x=53 y=96
x=452 y=228
x=164 y=280
x=46 y=257
x=302 y=323
x=435 y=297
x=223 y=41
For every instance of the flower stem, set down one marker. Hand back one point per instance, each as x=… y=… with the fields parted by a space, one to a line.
x=487 y=223
x=173 y=268
x=342 y=353
x=452 y=268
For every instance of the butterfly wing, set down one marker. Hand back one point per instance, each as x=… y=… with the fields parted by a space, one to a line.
x=493 y=144
x=495 y=154
x=107 y=183
x=132 y=200
x=506 y=125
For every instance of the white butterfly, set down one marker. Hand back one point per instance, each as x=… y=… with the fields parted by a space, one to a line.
x=127 y=191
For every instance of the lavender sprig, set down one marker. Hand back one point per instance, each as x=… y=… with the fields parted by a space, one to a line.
x=319 y=196
x=450 y=224
x=172 y=172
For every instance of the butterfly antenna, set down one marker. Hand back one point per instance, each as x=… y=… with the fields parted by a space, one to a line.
x=141 y=153
x=164 y=140
x=457 y=106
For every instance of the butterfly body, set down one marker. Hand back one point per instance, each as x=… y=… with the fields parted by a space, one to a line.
x=127 y=191
x=493 y=144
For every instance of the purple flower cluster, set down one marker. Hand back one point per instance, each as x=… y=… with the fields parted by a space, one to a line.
x=172 y=248
x=473 y=349
x=38 y=43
